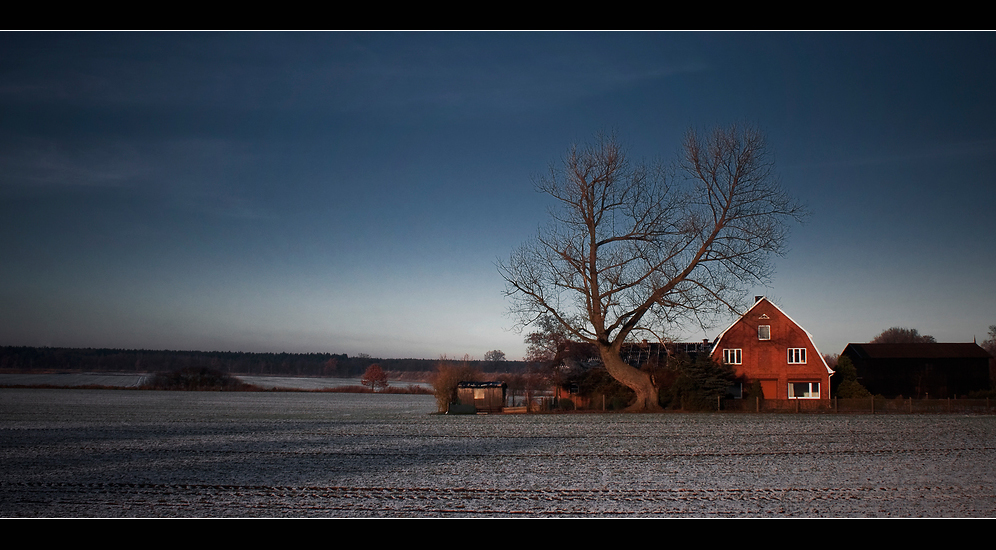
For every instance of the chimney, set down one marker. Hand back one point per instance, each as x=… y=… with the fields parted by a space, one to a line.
x=757 y=299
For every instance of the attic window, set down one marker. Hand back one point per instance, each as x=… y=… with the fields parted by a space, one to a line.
x=732 y=356
x=764 y=332
x=797 y=356
x=764 y=316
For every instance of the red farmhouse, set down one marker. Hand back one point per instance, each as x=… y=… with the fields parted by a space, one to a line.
x=768 y=346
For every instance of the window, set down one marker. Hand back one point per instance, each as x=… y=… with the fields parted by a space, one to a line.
x=764 y=332
x=797 y=356
x=732 y=356
x=804 y=390
x=736 y=391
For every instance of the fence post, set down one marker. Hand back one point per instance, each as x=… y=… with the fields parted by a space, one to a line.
x=757 y=404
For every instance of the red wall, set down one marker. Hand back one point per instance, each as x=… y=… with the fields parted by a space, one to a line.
x=767 y=360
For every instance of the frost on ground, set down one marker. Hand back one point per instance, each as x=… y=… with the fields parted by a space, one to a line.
x=127 y=380
x=107 y=453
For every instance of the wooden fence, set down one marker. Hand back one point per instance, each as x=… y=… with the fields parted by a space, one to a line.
x=864 y=405
x=869 y=405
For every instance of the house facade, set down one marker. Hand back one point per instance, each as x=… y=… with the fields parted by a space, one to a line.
x=766 y=345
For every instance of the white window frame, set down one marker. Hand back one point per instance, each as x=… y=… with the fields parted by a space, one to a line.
x=733 y=356
x=797 y=356
x=809 y=390
x=764 y=334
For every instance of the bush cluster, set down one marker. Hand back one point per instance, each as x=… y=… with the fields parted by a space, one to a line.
x=696 y=384
x=199 y=379
x=597 y=383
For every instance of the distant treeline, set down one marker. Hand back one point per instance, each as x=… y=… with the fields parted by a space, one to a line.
x=17 y=359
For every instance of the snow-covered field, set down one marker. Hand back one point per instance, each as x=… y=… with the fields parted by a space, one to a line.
x=109 y=379
x=115 y=453
x=121 y=380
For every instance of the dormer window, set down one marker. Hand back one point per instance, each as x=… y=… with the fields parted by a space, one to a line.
x=764 y=332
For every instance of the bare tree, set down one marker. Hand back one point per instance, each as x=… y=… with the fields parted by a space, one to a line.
x=494 y=356
x=901 y=335
x=632 y=252
x=990 y=344
x=544 y=342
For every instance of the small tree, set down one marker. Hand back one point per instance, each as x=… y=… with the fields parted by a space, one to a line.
x=848 y=386
x=375 y=378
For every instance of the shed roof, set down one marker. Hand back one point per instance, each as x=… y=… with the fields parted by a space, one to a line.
x=481 y=385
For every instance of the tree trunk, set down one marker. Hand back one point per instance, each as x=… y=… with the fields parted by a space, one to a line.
x=633 y=378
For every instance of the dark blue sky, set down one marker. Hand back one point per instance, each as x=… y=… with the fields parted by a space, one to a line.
x=351 y=192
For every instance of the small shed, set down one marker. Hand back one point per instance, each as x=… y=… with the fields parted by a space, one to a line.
x=483 y=396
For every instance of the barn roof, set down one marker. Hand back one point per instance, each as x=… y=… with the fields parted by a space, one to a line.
x=918 y=351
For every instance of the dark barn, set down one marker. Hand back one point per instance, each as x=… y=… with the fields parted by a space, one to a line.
x=921 y=370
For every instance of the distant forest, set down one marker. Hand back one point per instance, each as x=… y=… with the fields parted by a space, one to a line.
x=27 y=359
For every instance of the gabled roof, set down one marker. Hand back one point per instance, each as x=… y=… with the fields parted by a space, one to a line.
x=919 y=351
x=757 y=302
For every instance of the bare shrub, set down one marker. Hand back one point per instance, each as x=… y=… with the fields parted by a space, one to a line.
x=448 y=376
